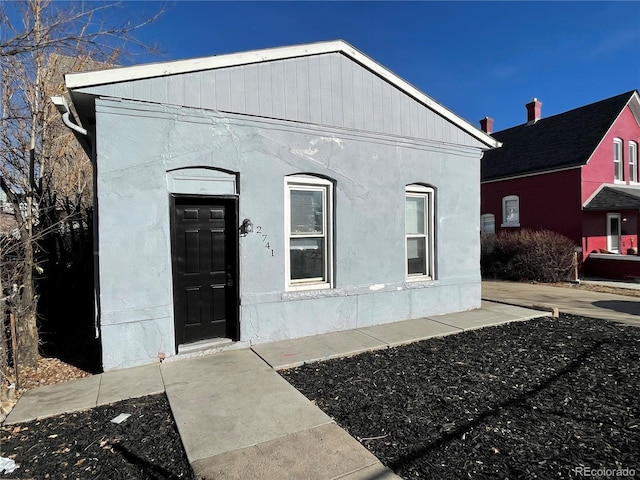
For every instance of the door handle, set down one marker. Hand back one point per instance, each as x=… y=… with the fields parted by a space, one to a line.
x=229 y=279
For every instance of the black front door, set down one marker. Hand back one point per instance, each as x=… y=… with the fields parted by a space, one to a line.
x=205 y=268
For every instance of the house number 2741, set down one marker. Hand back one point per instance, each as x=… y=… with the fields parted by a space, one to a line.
x=265 y=239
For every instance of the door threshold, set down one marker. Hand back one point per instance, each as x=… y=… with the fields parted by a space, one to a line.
x=207 y=347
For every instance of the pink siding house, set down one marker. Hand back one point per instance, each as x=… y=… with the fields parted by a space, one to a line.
x=575 y=173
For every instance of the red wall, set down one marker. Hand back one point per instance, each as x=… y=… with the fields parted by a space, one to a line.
x=595 y=231
x=599 y=168
x=550 y=201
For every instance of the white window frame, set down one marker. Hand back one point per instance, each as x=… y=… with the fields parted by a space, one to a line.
x=618 y=164
x=610 y=237
x=310 y=183
x=492 y=219
x=428 y=194
x=633 y=162
x=506 y=199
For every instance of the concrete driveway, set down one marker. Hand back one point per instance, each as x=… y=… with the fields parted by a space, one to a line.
x=572 y=300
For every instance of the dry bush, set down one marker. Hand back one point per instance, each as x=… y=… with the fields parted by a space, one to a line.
x=534 y=255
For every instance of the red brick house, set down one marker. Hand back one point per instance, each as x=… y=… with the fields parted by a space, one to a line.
x=575 y=173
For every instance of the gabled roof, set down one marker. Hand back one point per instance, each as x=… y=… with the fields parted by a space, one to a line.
x=614 y=197
x=553 y=143
x=75 y=81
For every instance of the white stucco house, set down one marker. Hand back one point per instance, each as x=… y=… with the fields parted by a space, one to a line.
x=273 y=194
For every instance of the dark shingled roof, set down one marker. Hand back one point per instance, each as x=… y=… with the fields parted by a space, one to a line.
x=615 y=198
x=561 y=141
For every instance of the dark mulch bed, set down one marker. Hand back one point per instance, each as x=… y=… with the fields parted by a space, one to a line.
x=88 y=445
x=525 y=400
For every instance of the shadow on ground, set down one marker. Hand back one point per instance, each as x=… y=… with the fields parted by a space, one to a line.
x=622 y=306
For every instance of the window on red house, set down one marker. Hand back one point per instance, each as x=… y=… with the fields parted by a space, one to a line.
x=617 y=160
x=633 y=161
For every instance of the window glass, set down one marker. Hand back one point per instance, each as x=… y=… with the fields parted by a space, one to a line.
x=307 y=258
x=306 y=211
x=511 y=208
x=416 y=256
x=414 y=214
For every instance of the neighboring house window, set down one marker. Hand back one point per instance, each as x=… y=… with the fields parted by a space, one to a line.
x=419 y=232
x=309 y=236
x=488 y=223
x=617 y=160
x=511 y=211
x=633 y=161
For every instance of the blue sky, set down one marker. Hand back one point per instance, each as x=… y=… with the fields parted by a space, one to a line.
x=476 y=58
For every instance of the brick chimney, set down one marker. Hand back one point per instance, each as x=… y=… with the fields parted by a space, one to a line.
x=486 y=125
x=534 y=111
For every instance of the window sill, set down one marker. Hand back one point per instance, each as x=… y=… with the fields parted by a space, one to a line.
x=420 y=278
x=510 y=225
x=300 y=287
x=619 y=182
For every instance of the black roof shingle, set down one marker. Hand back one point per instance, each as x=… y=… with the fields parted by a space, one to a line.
x=561 y=141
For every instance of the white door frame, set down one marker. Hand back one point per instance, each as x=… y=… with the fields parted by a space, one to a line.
x=613 y=239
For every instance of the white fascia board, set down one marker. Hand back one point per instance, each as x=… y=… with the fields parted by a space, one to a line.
x=160 y=69
x=137 y=72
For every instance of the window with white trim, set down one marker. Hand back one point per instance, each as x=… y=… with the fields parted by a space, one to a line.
x=309 y=232
x=511 y=211
x=633 y=162
x=618 y=172
x=419 y=232
x=488 y=223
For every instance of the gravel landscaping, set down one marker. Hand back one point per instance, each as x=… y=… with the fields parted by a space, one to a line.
x=547 y=398
x=88 y=445
x=535 y=399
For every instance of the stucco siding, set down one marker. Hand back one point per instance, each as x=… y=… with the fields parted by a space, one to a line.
x=139 y=143
x=329 y=89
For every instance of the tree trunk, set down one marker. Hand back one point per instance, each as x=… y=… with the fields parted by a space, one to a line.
x=3 y=341
x=26 y=322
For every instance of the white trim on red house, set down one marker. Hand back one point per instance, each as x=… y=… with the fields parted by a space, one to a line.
x=152 y=70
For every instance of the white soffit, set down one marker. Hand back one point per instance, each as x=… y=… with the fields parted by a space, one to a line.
x=151 y=70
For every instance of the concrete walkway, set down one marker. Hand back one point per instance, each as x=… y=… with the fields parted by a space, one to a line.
x=239 y=419
x=619 y=308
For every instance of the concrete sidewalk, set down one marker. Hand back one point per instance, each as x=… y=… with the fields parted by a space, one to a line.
x=238 y=418
x=573 y=300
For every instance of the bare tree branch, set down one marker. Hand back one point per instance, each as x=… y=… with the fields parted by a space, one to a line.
x=44 y=174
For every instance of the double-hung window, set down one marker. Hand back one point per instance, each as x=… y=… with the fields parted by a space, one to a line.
x=618 y=172
x=633 y=162
x=488 y=223
x=419 y=232
x=309 y=236
x=511 y=211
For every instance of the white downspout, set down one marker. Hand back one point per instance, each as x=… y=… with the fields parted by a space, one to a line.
x=61 y=104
